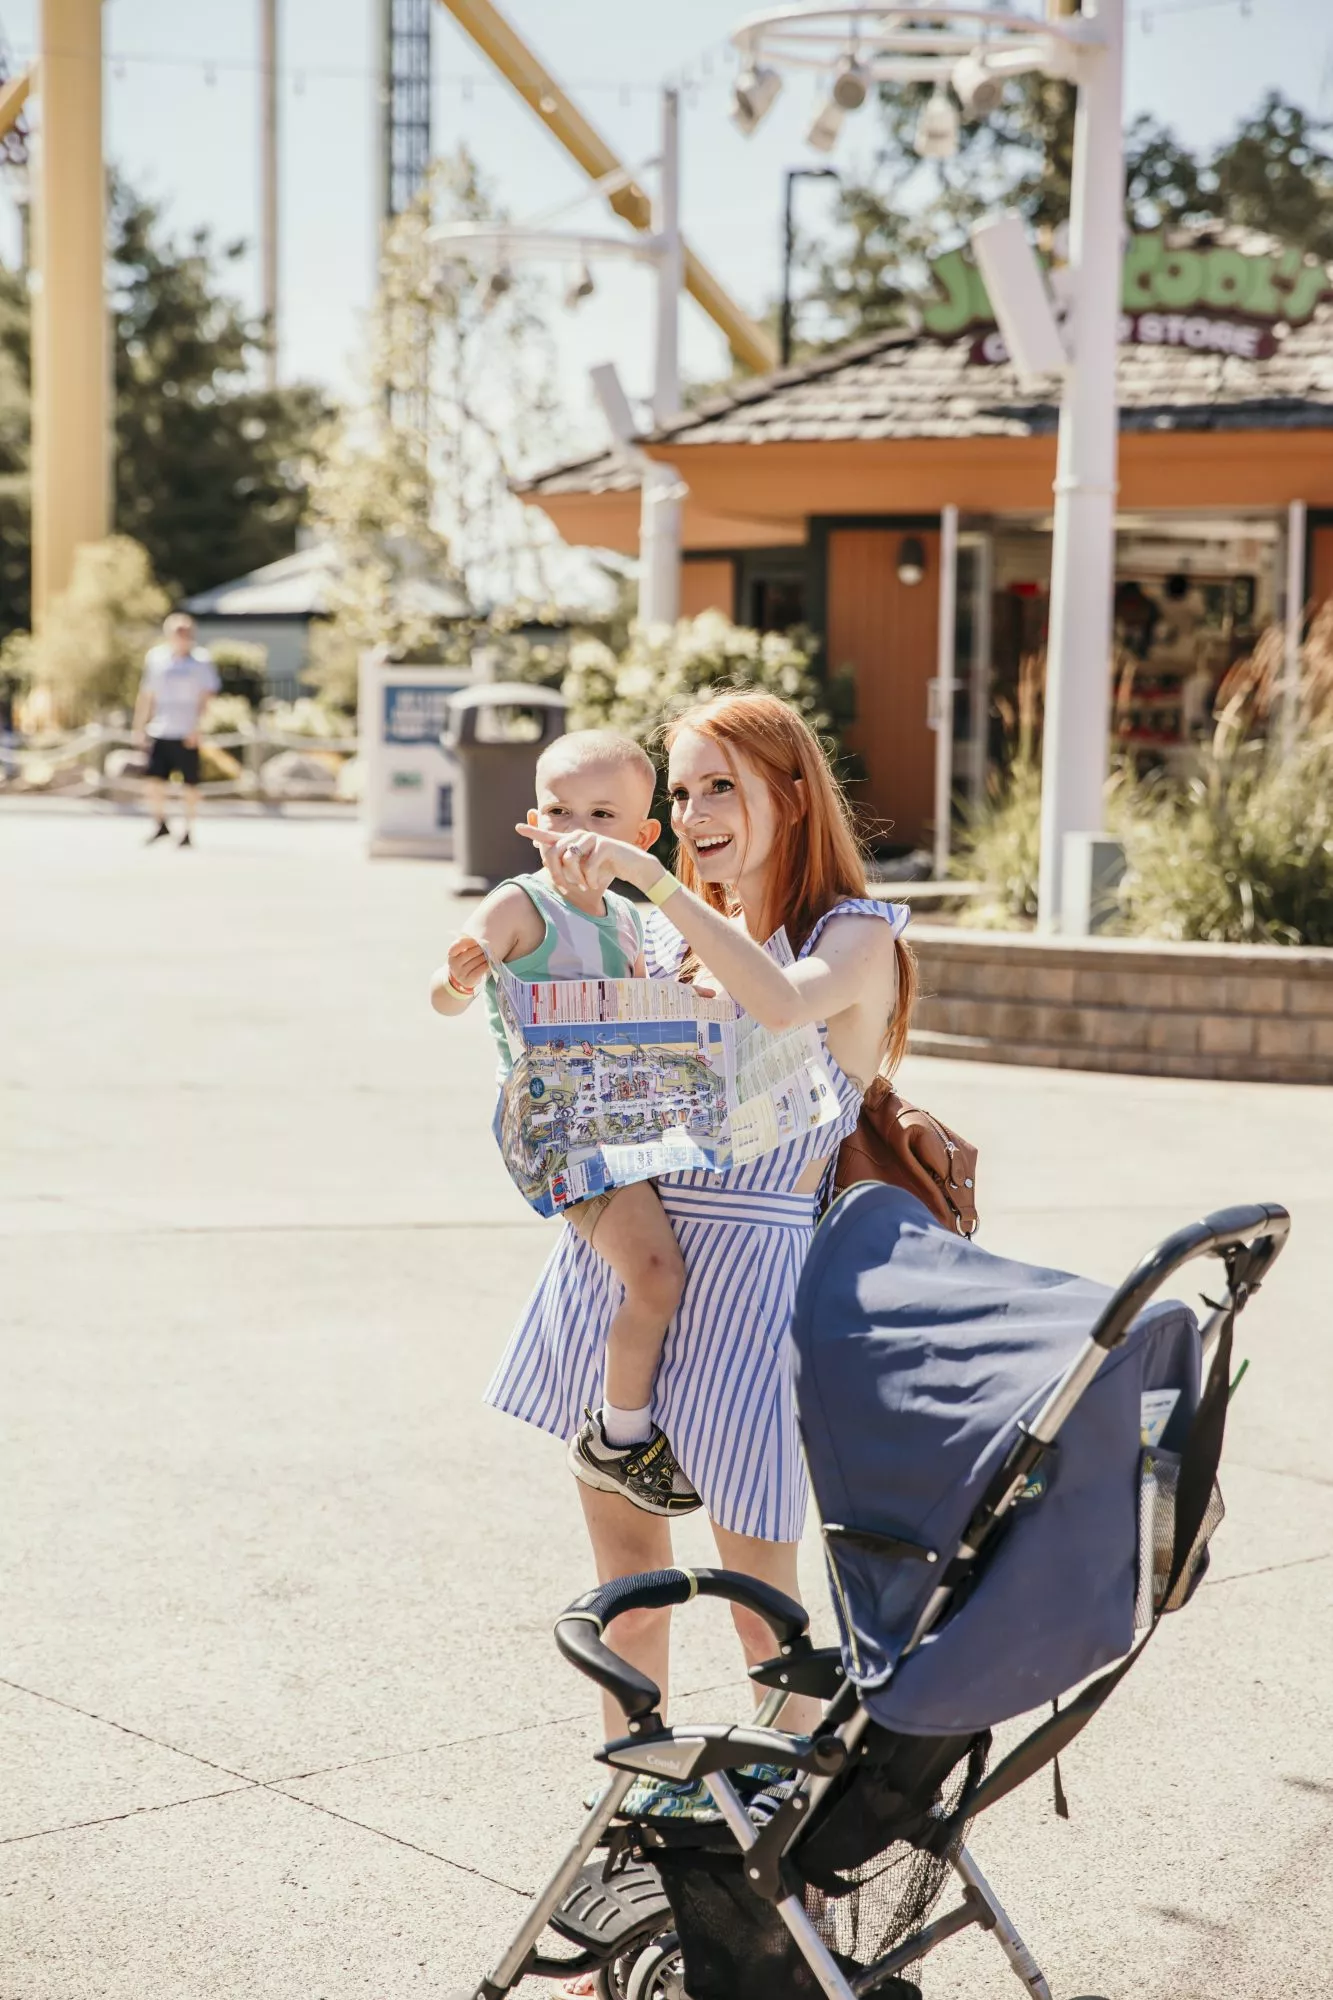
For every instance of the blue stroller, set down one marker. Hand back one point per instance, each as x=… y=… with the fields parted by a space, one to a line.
x=1016 y=1476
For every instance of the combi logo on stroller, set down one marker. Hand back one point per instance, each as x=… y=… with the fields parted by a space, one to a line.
x=937 y=1385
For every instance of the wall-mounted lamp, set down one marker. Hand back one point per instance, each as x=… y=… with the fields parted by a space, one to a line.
x=911 y=560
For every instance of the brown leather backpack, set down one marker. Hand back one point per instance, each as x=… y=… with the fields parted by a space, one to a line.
x=900 y=1144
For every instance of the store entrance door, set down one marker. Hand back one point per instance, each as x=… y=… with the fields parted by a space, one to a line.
x=887 y=631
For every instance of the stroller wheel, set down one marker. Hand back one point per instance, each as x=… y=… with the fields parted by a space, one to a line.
x=612 y=1982
x=658 y=1974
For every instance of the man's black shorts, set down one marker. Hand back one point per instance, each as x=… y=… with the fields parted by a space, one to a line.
x=167 y=754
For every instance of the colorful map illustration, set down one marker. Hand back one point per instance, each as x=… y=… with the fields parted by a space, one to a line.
x=616 y=1081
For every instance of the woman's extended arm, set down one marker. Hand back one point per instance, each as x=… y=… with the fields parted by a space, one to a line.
x=854 y=956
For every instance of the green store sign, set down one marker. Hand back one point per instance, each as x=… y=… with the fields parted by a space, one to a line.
x=1215 y=300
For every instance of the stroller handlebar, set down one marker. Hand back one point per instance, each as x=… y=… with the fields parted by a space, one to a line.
x=1258 y=1230
x=579 y=1629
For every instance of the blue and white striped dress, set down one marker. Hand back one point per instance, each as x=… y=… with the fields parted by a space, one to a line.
x=723 y=1390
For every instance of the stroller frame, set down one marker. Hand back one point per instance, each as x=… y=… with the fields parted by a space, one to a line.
x=1247 y=1240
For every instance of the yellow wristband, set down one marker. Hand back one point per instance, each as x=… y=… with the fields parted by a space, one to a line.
x=463 y=992
x=666 y=885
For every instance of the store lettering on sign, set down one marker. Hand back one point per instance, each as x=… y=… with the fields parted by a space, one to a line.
x=1211 y=299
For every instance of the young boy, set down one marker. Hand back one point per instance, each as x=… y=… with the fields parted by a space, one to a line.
x=592 y=781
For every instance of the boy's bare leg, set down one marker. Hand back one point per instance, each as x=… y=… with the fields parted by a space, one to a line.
x=632 y=1234
x=620 y=1449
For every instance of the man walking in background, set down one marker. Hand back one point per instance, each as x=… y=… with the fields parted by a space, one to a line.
x=178 y=682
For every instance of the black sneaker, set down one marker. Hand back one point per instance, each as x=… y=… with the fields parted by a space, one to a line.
x=185 y=841
x=647 y=1474
x=161 y=832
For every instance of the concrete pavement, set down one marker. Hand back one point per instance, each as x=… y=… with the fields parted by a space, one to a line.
x=281 y=1712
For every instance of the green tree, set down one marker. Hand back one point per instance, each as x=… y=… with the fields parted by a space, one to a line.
x=90 y=652
x=209 y=468
x=1275 y=174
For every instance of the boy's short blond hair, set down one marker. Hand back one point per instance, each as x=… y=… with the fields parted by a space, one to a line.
x=585 y=749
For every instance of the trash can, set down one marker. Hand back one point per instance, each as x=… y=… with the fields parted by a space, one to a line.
x=495 y=733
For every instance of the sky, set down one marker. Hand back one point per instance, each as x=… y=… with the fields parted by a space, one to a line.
x=182 y=92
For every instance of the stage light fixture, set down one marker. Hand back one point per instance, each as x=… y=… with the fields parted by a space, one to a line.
x=823 y=132
x=936 y=136
x=753 y=96
x=500 y=281
x=850 y=85
x=977 y=88
x=581 y=286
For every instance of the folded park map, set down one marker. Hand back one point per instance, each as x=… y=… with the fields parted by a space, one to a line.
x=619 y=1080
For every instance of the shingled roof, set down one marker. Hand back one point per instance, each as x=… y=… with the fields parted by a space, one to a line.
x=607 y=472
x=903 y=385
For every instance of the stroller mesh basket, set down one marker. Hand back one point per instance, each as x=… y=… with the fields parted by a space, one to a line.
x=1159 y=1476
x=868 y=1879
x=861 y=1911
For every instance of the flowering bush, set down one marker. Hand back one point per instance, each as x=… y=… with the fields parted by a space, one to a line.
x=666 y=667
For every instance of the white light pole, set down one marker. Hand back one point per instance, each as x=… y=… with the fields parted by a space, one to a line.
x=661 y=489
x=945 y=686
x=660 y=485
x=1078 y=654
x=968 y=53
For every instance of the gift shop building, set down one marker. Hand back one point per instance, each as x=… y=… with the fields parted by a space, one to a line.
x=822 y=496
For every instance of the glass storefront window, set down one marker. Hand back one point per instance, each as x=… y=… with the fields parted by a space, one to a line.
x=1191 y=598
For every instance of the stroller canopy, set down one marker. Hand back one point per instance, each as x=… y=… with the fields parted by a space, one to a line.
x=916 y=1355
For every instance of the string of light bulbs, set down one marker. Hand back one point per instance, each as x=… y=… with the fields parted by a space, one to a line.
x=118 y=62
x=709 y=69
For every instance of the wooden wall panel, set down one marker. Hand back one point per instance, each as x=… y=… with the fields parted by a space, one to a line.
x=1319 y=585
x=707 y=586
x=888 y=632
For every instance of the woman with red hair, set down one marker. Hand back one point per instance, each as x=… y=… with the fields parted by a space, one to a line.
x=765 y=847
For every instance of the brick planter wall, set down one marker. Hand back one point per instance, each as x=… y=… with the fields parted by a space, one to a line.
x=1252 y=1012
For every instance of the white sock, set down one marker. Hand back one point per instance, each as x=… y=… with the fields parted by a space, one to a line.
x=622 y=1428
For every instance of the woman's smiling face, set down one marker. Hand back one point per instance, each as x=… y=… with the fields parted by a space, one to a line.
x=726 y=818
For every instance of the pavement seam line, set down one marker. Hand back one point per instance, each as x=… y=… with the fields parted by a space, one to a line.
x=1267 y=1569
x=459 y=1742
x=133 y=1812
x=398 y=1839
x=1283 y=1472
x=158 y=1742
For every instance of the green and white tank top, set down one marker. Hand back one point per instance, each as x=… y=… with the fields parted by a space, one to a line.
x=574 y=946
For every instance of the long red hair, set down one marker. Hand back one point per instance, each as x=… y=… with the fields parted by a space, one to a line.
x=816 y=860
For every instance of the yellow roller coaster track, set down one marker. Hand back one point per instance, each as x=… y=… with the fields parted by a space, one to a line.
x=751 y=344
x=14 y=93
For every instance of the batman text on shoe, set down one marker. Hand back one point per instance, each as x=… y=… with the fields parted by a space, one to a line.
x=646 y=1473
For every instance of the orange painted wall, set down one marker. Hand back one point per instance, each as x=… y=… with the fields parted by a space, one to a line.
x=887 y=631
x=707 y=586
